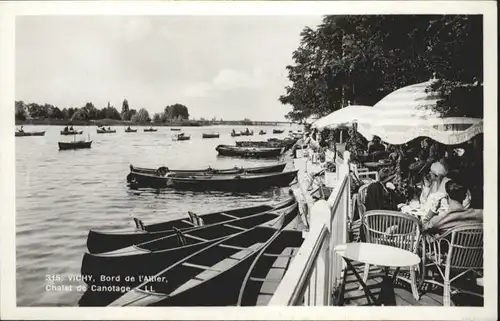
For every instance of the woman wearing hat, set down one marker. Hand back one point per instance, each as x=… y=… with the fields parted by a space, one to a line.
x=434 y=189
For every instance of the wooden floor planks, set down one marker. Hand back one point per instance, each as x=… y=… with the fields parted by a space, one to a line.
x=400 y=294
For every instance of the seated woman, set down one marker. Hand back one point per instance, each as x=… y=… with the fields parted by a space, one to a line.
x=455 y=215
x=434 y=188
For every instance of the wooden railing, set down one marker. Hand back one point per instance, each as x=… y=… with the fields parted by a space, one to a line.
x=315 y=271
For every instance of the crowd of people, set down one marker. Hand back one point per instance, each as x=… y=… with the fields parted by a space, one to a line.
x=445 y=183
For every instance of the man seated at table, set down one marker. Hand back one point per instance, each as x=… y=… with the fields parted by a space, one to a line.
x=375 y=145
x=437 y=221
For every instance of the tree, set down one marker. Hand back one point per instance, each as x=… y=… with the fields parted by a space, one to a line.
x=110 y=112
x=176 y=111
x=157 y=118
x=125 y=110
x=142 y=116
x=20 y=111
x=363 y=58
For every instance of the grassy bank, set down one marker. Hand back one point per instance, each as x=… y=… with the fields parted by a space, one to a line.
x=114 y=122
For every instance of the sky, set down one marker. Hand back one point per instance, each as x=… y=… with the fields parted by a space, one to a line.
x=229 y=67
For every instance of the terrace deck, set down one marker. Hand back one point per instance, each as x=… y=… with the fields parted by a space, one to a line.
x=400 y=293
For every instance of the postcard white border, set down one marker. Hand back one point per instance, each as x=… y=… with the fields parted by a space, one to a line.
x=8 y=12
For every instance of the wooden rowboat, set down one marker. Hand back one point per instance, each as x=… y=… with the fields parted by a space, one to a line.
x=234 y=183
x=278 y=131
x=25 y=134
x=187 y=281
x=234 y=134
x=246 y=133
x=269 y=267
x=262 y=132
x=71 y=132
x=75 y=145
x=175 y=129
x=132 y=266
x=210 y=135
x=287 y=144
x=127 y=130
x=162 y=171
x=249 y=152
x=105 y=241
x=150 y=130
x=182 y=136
x=106 y=131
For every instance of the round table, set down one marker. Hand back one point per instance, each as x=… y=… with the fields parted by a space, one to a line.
x=374 y=254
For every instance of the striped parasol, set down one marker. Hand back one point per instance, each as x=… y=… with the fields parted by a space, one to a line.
x=407 y=113
x=343 y=117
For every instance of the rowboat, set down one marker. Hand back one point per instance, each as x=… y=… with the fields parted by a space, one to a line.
x=288 y=143
x=234 y=183
x=106 y=131
x=243 y=274
x=130 y=130
x=182 y=136
x=132 y=265
x=74 y=145
x=71 y=132
x=161 y=180
x=278 y=131
x=249 y=152
x=25 y=134
x=150 y=129
x=187 y=281
x=105 y=241
x=262 y=132
x=175 y=129
x=269 y=268
x=246 y=133
x=210 y=135
x=234 y=134
x=162 y=171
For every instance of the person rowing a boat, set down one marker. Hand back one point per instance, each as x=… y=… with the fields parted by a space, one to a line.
x=65 y=129
x=21 y=130
x=71 y=128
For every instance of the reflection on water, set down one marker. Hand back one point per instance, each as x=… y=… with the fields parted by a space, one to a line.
x=60 y=195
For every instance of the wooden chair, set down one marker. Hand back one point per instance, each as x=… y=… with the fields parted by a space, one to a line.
x=458 y=251
x=396 y=229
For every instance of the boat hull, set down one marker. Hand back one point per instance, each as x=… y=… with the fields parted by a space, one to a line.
x=74 y=145
x=105 y=241
x=99 y=131
x=191 y=281
x=27 y=134
x=210 y=135
x=69 y=133
x=149 y=259
x=252 y=170
x=235 y=183
x=248 y=152
x=150 y=130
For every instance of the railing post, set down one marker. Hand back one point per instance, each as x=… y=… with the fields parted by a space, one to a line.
x=320 y=284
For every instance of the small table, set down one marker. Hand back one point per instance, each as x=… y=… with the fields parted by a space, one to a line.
x=374 y=254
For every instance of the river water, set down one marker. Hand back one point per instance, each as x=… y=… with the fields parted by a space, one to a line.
x=60 y=195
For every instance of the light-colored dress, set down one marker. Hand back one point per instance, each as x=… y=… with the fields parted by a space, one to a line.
x=435 y=198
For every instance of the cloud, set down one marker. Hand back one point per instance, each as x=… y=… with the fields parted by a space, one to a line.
x=228 y=80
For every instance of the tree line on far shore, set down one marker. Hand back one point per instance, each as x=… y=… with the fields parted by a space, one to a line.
x=360 y=59
x=23 y=111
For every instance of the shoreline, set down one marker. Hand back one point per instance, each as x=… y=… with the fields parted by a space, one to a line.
x=114 y=122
